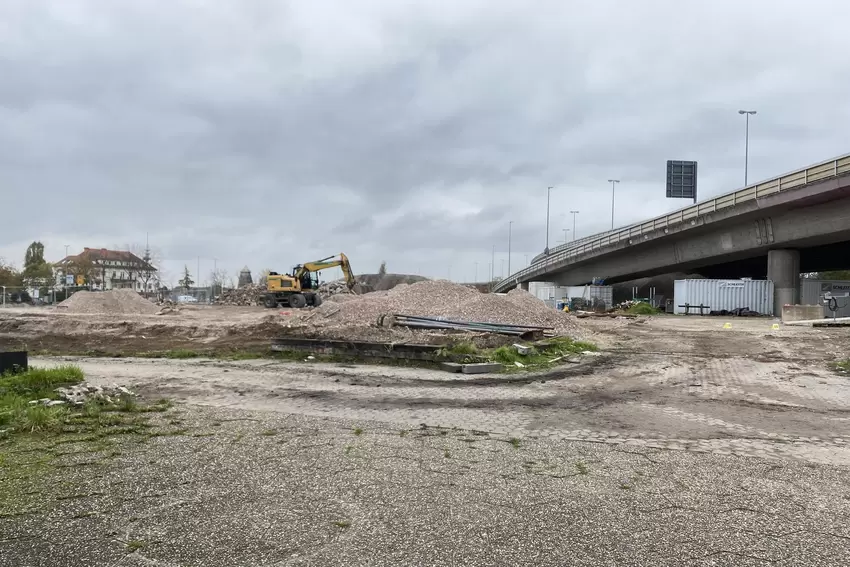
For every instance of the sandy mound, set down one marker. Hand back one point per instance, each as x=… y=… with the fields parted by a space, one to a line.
x=114 y=302
x=439 y=299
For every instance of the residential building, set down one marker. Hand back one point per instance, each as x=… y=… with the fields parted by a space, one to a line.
x=102 y=269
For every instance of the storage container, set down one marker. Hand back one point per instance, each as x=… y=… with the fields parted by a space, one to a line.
x=812 y=293
x=719 y=295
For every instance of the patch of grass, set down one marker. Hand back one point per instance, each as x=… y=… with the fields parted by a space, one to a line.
x=642 y=308
x=464 y=347
x=182 y=353
x=358 y=431
x=349 y=449
x=344 y=524
x=582 y=468
x=447 y=454
x=38 y=383
x=128 y=404
x=269 y=432
x=514 y=442
x=842 y=366
x=135 y=545
x=403 y=433
x=542 y=353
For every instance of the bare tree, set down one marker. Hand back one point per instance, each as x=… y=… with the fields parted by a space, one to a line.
x=218 y=279
x=150 y=272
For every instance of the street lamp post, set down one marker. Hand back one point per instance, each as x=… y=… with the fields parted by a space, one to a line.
x=548 y=194
x=566 y=230
x=574 y=213
x=493 y=265
x=747 y=114
x=613 y=183
x=510 y=227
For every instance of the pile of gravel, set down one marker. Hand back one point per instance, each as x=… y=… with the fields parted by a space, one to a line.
x=113 y=302
x=439 y=298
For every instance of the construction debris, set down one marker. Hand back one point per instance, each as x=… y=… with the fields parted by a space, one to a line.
x=413 y=322
x=436 y=299
x=81 y=393
x=113 y=302
x=250 y=294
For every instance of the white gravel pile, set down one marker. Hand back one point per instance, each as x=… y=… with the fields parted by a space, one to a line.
x=114 y=302
x=439 y=299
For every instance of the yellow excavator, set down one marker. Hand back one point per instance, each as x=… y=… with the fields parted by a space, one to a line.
x=300 y=288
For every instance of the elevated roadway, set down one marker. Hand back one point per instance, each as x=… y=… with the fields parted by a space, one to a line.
x=774 y=228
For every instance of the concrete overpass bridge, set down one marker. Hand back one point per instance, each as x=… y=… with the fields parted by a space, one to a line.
x=796 y=222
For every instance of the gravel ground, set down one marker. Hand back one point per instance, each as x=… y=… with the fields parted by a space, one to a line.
x=236 y=488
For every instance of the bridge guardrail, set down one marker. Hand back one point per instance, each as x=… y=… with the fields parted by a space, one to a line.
x=819 y=172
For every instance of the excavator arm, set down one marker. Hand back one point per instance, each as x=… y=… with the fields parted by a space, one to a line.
x=330 y=262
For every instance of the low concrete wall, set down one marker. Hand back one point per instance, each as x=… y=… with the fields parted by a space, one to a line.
x=801 y=312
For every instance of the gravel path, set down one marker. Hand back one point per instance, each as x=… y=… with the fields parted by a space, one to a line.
x=237 y=488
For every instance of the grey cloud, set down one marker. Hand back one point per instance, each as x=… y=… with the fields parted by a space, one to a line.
x=268 y=133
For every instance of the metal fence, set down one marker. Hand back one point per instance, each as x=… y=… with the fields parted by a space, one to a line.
x=829 y=169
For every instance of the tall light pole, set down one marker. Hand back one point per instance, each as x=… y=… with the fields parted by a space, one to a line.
x=566 y=230
x=747 y=114
x=613 y=183
x=574 y=213
x=548 y=194
x=510 y=227
x=493 y=265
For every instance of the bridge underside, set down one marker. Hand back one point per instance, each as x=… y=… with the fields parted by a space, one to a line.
x=776 y=243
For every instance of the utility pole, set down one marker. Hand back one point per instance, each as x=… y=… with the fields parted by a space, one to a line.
x=493 y=264
x=574 y=213
x=613 y=183
x=548 y=194
x=747 y=114
x=566 y=230
x=510 y=225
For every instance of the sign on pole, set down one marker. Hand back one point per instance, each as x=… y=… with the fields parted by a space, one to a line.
x=682 y=179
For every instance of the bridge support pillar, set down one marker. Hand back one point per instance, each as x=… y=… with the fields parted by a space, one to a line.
x=523 y=286
x=783 y=267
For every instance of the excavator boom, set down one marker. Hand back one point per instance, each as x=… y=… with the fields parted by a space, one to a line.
x=330 y=262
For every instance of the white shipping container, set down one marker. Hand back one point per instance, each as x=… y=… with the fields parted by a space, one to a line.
x=813 y=290
x=756 y=295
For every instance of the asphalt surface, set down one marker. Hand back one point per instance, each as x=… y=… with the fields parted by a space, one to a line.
x=237 y=488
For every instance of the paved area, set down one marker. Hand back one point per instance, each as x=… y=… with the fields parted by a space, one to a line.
x=218 y=487
x=682 y=443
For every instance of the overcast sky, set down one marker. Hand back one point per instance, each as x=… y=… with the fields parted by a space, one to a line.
x=269 y=133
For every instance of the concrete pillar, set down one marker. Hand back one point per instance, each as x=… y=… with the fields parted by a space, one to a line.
x=524 y=286
x=783 y=268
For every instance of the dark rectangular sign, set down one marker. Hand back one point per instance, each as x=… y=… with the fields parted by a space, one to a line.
x=681 y=179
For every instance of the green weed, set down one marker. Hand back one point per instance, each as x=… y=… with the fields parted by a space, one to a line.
x=514 y=442
x=342 y=524
x=358 y=431
x=642 y=308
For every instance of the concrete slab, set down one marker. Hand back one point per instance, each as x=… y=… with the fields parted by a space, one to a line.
x=791 y=313
x=451 y=366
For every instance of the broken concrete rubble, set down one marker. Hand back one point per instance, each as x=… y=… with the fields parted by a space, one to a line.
x=81 y=393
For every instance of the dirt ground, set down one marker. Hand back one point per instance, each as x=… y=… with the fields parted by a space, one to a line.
x=680 y=443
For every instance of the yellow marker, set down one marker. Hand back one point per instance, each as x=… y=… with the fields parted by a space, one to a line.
x=727 y=325
x=775 y=327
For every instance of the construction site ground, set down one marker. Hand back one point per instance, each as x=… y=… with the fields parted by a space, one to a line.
x=680 y=443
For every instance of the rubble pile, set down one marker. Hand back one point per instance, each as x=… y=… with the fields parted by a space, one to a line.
x=329 y=289
x=113 y=302
x=251 y=294
x=439 y=298
x=81 y=393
